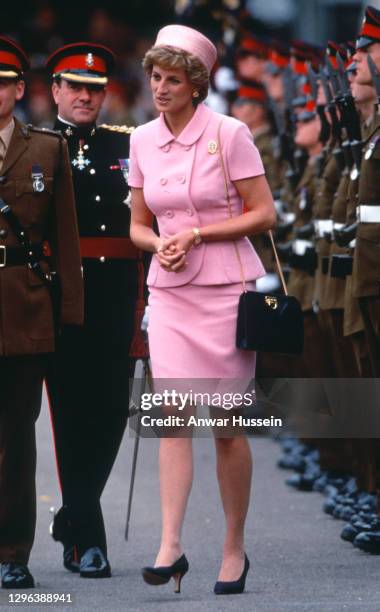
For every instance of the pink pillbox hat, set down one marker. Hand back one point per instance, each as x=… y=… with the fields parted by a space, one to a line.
x=189 y=40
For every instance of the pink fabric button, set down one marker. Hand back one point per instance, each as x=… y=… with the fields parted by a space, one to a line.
x=181 y=179
x=166 y=148
x=189 y=212
x=163 y=181
x=169 y=213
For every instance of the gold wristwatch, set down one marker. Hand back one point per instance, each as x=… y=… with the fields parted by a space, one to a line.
x=197 y=236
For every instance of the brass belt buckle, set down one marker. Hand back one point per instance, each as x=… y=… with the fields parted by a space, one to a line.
x=3 y=256
x=271 y=302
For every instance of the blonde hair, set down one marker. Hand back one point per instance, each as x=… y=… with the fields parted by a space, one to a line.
x=168 y=57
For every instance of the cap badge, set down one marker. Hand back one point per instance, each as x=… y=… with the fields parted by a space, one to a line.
x=89 y=60
x=212 y=146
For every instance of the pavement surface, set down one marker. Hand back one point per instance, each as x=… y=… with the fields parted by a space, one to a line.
x=298 y=562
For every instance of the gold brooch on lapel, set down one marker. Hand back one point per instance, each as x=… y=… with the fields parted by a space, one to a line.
x=212 y=147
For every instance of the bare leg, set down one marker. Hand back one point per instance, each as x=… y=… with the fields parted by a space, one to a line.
x=176 y=476
x=234 y=471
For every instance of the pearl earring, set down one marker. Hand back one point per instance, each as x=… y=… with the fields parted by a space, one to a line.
x=195 y=94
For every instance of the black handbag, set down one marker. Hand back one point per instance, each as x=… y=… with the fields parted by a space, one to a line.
x=267 y=322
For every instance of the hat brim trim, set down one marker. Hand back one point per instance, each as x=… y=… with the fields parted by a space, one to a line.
x=363 y=41
x=9 y=74
x=80 y=78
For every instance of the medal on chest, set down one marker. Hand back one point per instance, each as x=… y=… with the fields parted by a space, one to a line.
x=303 y=198
x=80 y=161
x=371 y=147
x=124 y=167
x=37 y=178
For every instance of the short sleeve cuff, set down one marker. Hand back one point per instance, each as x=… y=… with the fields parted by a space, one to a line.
x=243 y=157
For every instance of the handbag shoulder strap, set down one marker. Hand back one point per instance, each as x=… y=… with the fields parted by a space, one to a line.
x=226 y=180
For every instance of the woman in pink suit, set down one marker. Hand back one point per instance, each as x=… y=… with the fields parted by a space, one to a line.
x=194 y=280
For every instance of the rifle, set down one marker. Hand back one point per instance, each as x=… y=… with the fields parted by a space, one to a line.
x=350 y=116
x=325 y=134
x=287 y=137
x=277 y=122
x=341 y=150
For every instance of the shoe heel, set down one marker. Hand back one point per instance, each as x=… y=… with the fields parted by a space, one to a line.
x=177 y=582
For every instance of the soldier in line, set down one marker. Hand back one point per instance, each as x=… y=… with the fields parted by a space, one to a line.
x=251 y=107
x=366 y=270
x=302 y=259
x=88 y=382
x=36 y=204
x=343 y=194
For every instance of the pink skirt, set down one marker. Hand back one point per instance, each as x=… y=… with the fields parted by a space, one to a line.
x=192 y=331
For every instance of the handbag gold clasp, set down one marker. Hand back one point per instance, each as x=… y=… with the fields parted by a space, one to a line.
x=271 y=302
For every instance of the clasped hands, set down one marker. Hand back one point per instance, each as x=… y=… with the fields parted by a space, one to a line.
x=171 y=252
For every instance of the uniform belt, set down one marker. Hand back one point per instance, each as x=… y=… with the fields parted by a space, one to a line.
x=323 y=226
x=113 y=248
x=368 y=213
x=19 y=256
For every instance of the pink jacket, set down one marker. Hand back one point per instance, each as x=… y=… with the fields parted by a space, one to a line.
x=183 y=185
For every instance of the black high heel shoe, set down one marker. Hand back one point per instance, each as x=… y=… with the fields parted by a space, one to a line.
x=162 y=574
x=235 y=586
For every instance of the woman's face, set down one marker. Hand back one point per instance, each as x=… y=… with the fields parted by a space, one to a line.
x=172 y=90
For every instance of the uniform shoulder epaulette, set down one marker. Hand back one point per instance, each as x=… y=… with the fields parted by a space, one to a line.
x=122 y=129
x=43 y=130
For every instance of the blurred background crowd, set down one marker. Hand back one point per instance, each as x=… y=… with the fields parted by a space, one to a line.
x=129 y=28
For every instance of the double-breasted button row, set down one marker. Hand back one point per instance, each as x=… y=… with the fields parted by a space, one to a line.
x=170 y=213
x=166 y=148
x=179 y=179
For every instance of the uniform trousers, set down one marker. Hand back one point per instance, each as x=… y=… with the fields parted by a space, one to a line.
x=21 y=391
x=370 y=309
x=88 y=385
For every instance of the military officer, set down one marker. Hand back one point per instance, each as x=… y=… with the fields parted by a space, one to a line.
x=36 y=204
x=88 y=386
